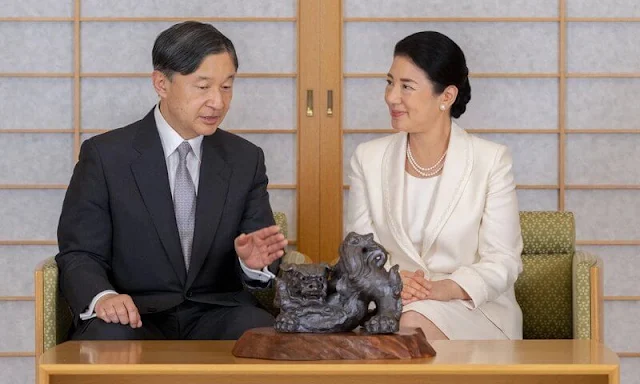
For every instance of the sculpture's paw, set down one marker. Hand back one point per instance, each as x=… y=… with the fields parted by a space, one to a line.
x=382 y=324
x=286 y=322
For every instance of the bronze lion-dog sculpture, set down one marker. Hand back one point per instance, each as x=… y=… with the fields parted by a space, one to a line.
x=318 y=298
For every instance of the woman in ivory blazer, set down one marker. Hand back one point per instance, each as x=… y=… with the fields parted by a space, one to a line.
x=441 y=201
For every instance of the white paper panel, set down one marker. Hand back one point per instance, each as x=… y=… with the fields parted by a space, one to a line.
x=622 y=320
x=36 y=103
x=512 y=104
x=37 y=8
x=262 y=104
x=364 y=105
x=603 y=159
x=630 y=370
x=17 y=370
x=603 y=47
x=36 y=158
x=621 y=266
x=36 y=47
x=535 y=156
x=602 y=103
x=191 y=8
x=16 y=326
x=488 y=47
x=537 y=199
x=260 y=46
x=263 y=46
x=17 y=264
x=30 y=214
x=280 y=155
x=444 y=8
x=599 y=8
x=109 y=103
x=605 y=214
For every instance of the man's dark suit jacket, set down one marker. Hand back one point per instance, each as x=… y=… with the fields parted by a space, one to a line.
x=118 y=230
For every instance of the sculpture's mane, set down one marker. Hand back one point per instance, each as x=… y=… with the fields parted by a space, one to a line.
x=354 y=263
x=357 y=264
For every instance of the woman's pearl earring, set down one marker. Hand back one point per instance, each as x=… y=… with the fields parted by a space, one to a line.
x=442 y=107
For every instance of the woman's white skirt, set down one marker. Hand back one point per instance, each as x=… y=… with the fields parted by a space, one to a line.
x=457 y=321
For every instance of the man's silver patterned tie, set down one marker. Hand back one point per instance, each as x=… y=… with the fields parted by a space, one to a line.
x=184 y=203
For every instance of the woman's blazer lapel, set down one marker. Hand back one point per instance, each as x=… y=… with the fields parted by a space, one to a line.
x=455 y=175
x=393 y=174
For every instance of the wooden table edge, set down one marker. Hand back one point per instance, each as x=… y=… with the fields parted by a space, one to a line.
x=321 y=369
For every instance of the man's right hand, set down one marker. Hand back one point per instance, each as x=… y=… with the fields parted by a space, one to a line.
x=119 y=309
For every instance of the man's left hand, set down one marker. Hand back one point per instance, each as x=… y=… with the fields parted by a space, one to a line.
x=260 y=248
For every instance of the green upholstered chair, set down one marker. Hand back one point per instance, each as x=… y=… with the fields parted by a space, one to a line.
x=53 y=316
x=560 y=289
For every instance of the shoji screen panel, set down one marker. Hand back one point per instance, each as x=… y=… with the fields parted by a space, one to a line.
x=36 y=143
x=557 y=82
x=71 y=69
x=602 y=157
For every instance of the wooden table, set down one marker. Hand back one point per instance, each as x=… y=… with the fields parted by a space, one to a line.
x=496 y=362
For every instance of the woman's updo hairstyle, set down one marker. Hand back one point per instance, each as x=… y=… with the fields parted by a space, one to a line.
x=442 y=61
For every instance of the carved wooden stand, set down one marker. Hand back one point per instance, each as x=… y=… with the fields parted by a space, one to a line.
x=266 y=343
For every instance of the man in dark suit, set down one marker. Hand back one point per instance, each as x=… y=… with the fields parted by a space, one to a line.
x=166 y=223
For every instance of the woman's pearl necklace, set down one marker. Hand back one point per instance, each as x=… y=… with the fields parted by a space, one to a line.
x=425 y=172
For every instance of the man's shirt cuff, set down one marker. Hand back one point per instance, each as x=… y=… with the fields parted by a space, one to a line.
x=90 y=313
x=264 y=276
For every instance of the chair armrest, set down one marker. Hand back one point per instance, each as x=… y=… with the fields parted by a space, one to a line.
x=587 y=296
x=53 y=316
x=49 y=262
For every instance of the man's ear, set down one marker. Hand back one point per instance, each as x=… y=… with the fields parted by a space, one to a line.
x=161 y=83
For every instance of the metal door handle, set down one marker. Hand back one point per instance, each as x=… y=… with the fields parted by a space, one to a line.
x=309 y=102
